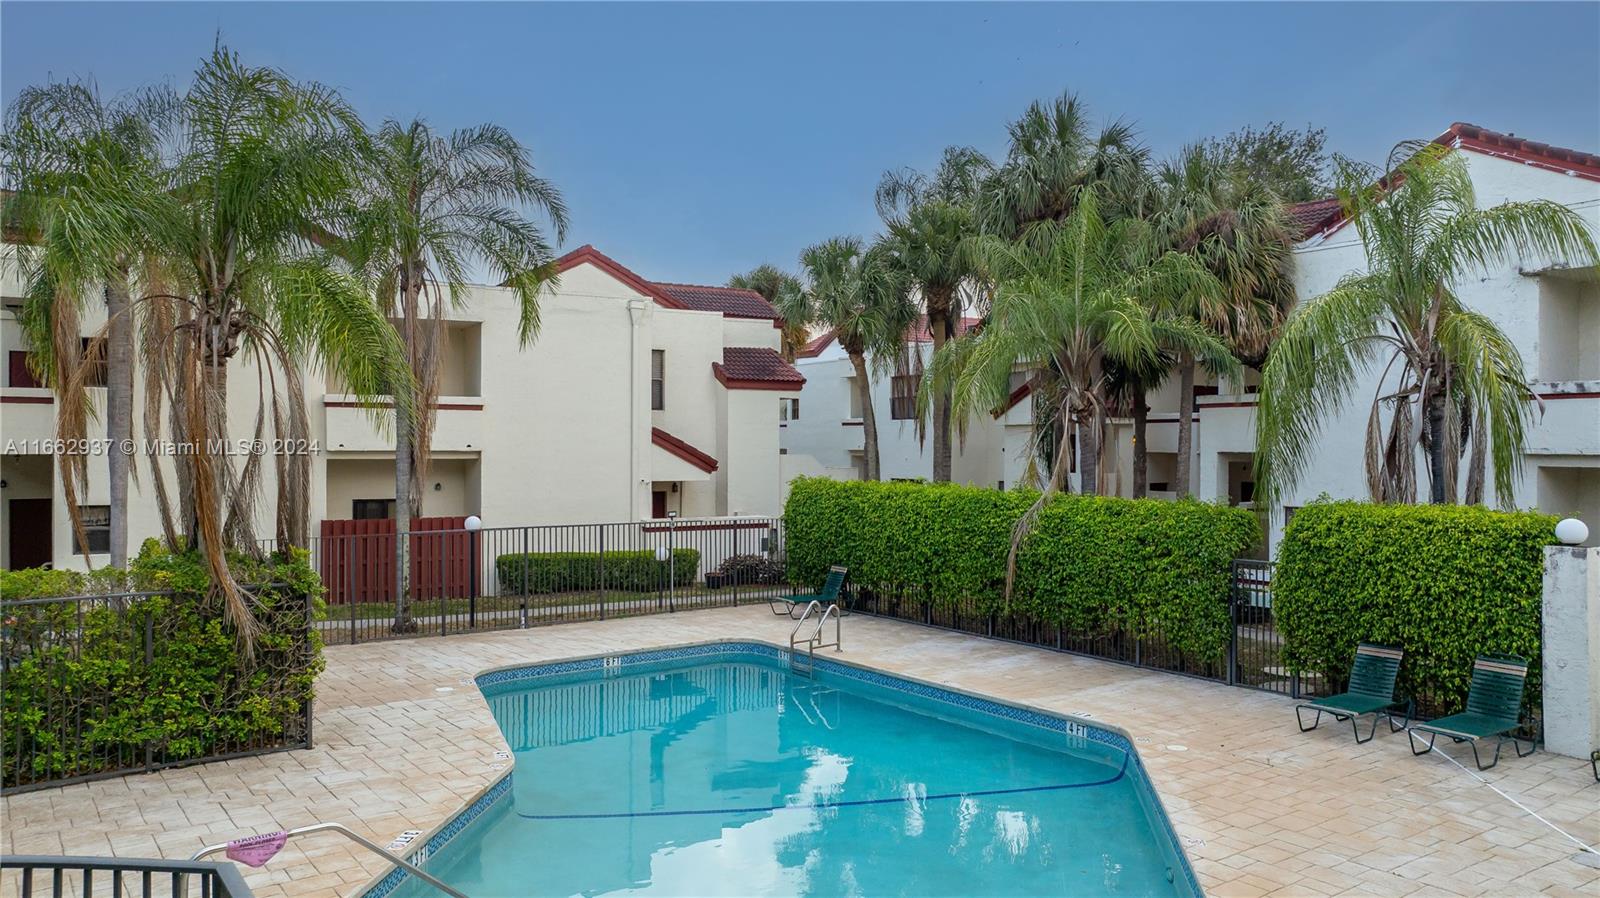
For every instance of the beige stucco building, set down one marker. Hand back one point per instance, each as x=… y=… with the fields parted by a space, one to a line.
x=638 y=399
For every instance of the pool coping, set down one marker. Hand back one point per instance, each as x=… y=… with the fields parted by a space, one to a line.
x=384 y=884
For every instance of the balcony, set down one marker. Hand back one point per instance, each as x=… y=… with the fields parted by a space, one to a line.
x=352 y=425
x=1570 y=424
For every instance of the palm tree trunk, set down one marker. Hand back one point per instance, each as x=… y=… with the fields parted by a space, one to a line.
x=1437 y=445
x=403 y=438
x=119 y=410
x=1141 y=453
x=938 y=319
x=869 y=419
x=1088 y=457
x=1185 y=424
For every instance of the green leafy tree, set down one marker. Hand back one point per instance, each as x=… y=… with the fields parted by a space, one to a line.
x=430 y=206
x=1070 y=297
x=928 y=219
x=850 y=291
x=1449 y=375
x=1290 y=162
x=786 y=294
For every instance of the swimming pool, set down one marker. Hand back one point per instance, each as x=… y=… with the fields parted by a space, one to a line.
x=713 y=770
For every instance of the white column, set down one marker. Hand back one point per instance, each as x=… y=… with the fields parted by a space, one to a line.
x=1571 y=650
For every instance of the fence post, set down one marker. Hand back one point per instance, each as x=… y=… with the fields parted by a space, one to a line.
x=308 y=649
x=526 y=532
x=149 y=661
x=1234 y=591
x=350 y=593
x=602 y=571
x=735 y=576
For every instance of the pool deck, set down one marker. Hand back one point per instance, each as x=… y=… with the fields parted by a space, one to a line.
x=403 y=739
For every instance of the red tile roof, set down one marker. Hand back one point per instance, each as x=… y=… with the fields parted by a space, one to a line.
x=916 y=333
x=1321 y=217
x=756 y=368
x=683 y=450
x=730 y=301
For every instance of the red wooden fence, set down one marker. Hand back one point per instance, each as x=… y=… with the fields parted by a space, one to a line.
x=357 y=559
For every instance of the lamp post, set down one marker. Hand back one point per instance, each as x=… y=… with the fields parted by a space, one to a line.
x=473 y=524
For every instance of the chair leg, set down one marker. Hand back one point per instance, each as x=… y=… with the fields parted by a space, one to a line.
x=1492 y=761
x=1411 y=737
x=1373 y=732
x=1405 y=721
x=1516 y=744
x=1315 y=722
x=1594 y=764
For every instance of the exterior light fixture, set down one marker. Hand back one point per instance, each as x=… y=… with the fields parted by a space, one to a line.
x=1572 y=531
x=474 y=523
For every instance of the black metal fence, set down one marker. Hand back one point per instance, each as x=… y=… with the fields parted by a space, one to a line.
x=501 y=578
x=1253 y=656
x=96 y=686
x=27 y=876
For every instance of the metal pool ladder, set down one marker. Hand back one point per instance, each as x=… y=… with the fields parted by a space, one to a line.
x=813 y=641
x=272 y=842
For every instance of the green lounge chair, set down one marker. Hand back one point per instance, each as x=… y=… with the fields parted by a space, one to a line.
x=1494 y=708
x=828 y=595
x=1371 y=692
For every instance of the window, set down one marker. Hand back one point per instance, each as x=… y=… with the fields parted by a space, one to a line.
x=903 y=397
x=371 y=509
x=96 y=529
x=658 y=379
x=18 y=373
x=789 y=409
x=96 y=376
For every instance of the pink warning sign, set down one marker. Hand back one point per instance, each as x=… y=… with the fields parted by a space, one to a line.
x=256 y=850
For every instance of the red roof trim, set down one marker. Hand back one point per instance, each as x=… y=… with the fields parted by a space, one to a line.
x=587 y=253
x=816 y=346
x=737 y=383
x=683 y=450
x=1017 y=395
x=1463 y=136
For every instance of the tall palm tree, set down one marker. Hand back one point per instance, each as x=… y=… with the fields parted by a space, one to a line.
x=851 y=291
x=1054 y=154
x=1071 y=297
x=1206 y=207
x=258 y=161
x=928 y=219
x=786 y=294
x=430 y=206
x=83 y=170
x=1448 y=374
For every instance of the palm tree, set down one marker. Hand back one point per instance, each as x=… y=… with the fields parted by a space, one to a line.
x=852 y=292
x=431 y=205
x=1072 y=297
x=786 y=294
x=1448 y=374
x=84 y=169
x=1212 y=210
x=1054 y=154
x=259 y=160
x=928 y=220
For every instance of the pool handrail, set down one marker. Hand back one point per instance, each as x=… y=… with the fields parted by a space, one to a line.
x=340 y=828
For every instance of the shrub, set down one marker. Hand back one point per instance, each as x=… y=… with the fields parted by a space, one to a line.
x=625 y=571
x=100 y=685
x=1091 y=563
x=1444 y=582
x=752 y=569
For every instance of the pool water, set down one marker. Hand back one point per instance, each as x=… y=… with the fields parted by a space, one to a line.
x=726 y=774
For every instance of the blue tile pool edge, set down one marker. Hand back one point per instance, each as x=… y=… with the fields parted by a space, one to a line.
x=383 y=885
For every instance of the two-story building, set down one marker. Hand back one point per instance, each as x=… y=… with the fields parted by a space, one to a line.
x=1549 y=308
x=637 y=399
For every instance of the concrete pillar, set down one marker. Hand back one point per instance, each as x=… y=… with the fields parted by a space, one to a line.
x=1571 y=650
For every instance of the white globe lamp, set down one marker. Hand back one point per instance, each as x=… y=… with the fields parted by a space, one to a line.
x=474 y=523
x=1572 y=531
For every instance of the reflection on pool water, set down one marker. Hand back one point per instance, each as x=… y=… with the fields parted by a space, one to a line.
x=715 y=771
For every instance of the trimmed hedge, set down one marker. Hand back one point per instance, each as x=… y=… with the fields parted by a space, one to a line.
x=1091 y=563
x=79 y=696
x=626 y=571
x=1444 y=582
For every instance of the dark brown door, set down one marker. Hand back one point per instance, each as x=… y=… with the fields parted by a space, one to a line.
x=658 y=504
x=30 y=533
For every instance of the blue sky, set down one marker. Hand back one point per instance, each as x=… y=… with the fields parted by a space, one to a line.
x=695 y=140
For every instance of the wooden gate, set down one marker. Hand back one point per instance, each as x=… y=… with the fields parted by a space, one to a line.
x=356 y=559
